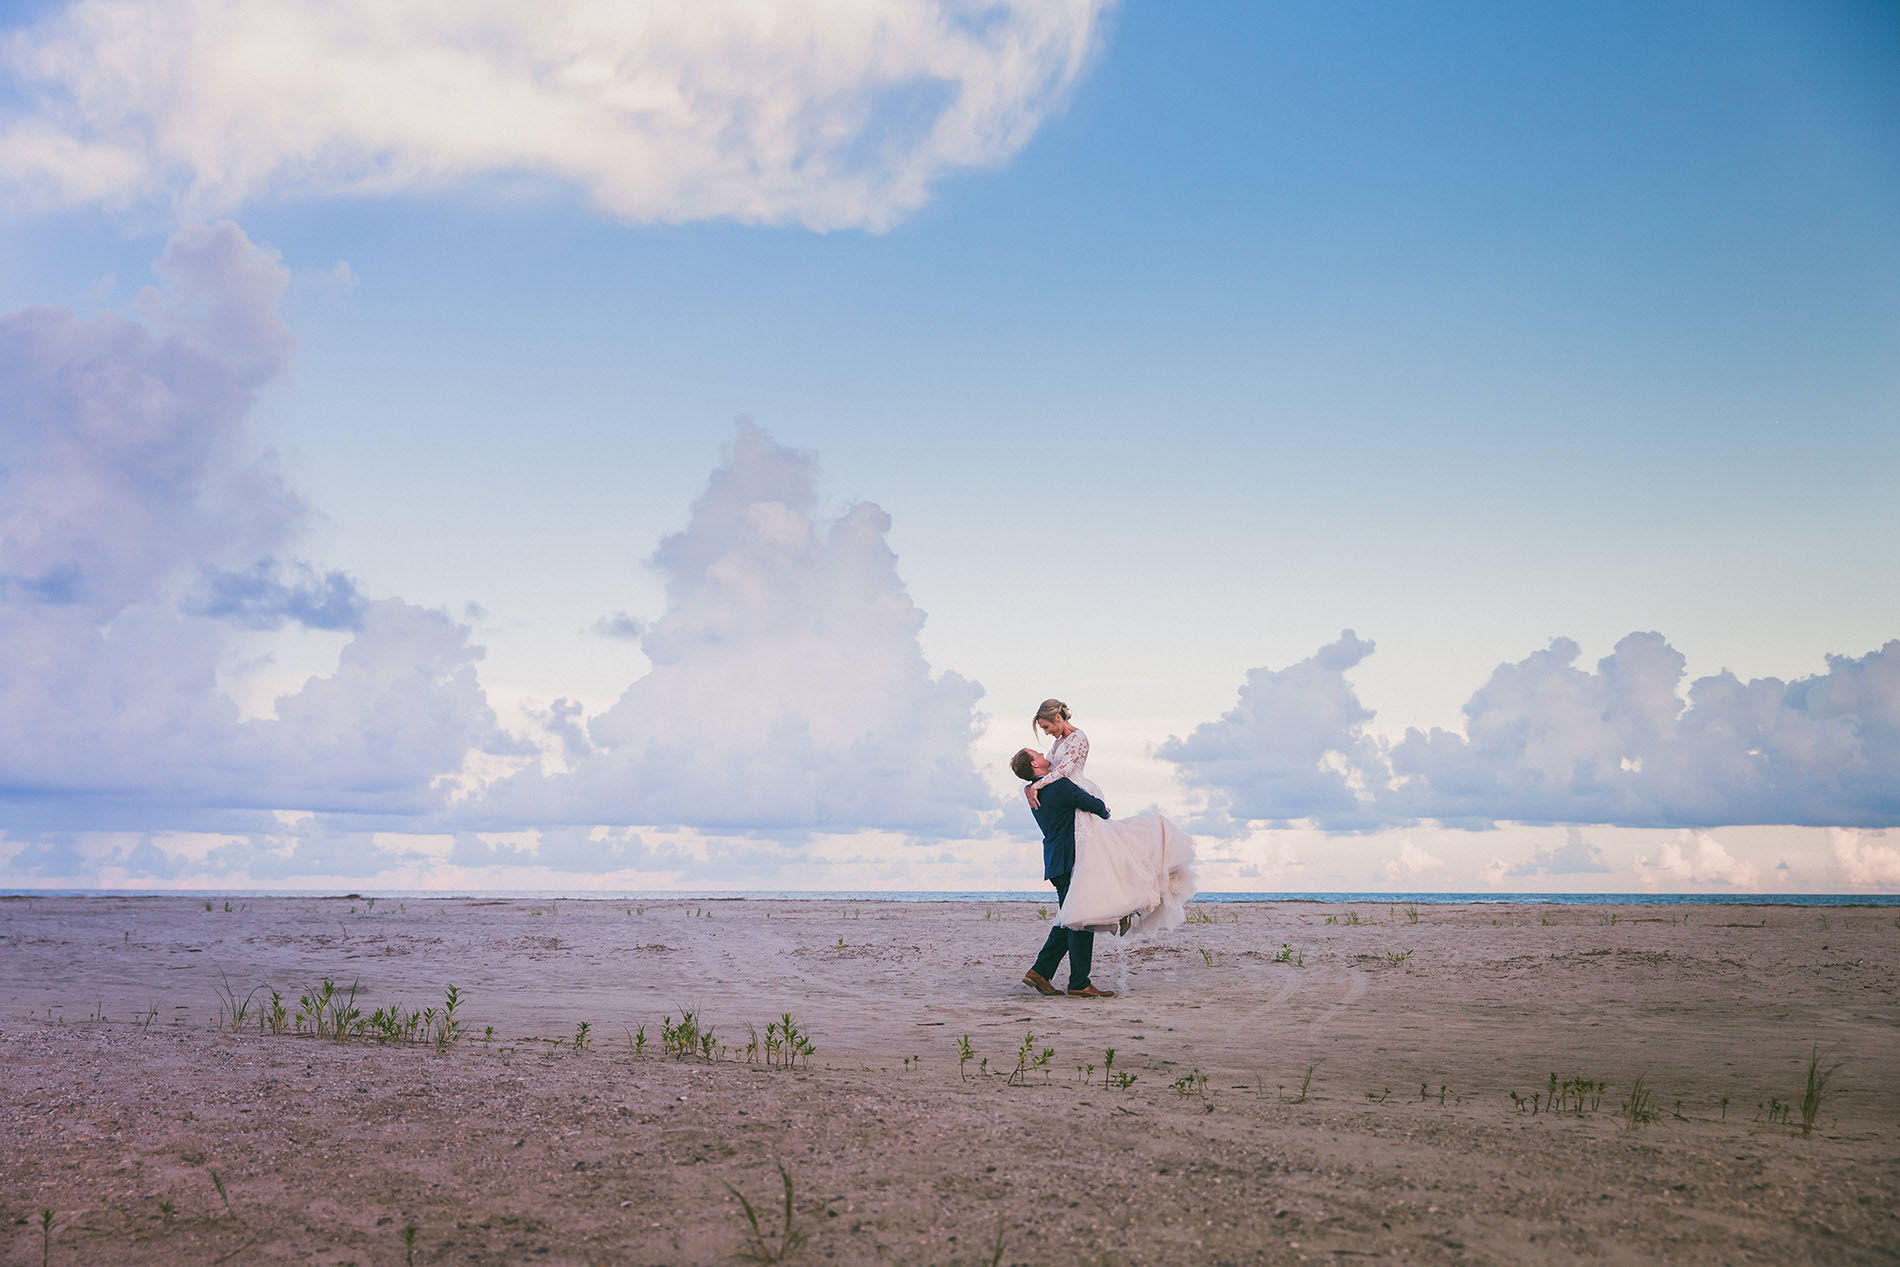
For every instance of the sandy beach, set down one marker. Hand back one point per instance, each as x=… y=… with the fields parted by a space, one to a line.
x=1291 y=1082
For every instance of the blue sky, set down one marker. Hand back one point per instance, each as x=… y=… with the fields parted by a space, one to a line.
x=1237 y=326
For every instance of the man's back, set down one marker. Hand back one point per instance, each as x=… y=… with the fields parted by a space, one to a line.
x=1056 y=816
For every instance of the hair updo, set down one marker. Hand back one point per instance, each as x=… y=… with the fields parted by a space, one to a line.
x=1051 y=710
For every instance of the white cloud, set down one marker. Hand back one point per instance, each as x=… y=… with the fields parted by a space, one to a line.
x=1548 y=742
x=1575 y=856
x=1412 y=863
x=1697 y=858
x=139 y=533
x=1868 y=865
x=1294 y=746
x=807 y=112
x=787 y=688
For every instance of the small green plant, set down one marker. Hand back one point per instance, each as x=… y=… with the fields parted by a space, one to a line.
x=1199 y=916
x=1194 y=1083
x=1125 y=1080
x=46 y=1229
x=1411 y=913
x=580 y=1035
x=1725 y=1108
x=1042 y=912
x=1814 y=1089
x=1028 y=1060
x=1285 y=955
x=409 y=1244
x=1379 y=1097
x=1306 y=1084
x=1108 y=1065
x=1207 y=956
x=1352 y=919
x=223 y=1196
x=1398 y=957
x=232 y=1010
x=760 y=1247
x=964 y=1056
x=1636 y=1110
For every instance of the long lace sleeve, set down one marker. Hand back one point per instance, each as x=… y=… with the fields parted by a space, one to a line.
x=1066 y=759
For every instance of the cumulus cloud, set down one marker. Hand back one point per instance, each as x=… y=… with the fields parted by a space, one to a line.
x=139 y=531
x=1575 y=856
x=620 y=627
x=802 y=111
x=1294 y=746
x=1411 y=864
x=1697 y=858
x=1546 y=741
x=1868 y=864
x=788 y=687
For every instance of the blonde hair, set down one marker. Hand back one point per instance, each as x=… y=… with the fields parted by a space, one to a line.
x=1051 y=710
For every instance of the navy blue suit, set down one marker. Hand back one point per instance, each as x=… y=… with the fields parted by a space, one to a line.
x=1056 y=816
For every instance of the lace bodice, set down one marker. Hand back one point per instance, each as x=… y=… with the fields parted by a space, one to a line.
x=1066 y=759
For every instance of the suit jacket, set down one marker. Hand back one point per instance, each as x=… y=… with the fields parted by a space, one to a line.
x=1056 y=816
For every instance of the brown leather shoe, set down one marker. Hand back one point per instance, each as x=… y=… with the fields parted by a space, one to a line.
x=1040 y=982
x=1090 y=992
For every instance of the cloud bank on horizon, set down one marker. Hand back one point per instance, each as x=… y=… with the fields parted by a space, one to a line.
x=802 y=112
x=1548 y=742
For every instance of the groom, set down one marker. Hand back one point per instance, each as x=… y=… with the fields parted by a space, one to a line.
x=1056 y=816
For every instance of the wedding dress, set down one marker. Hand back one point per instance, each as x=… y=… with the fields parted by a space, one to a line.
x=1141 y=866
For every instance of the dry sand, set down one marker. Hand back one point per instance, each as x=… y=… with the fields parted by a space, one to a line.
x=523 y=1149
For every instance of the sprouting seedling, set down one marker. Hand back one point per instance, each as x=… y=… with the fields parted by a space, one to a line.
x=1125 y=1080
x=1424 y=1092
x=580 y=1035
x=1398 y=956
x=964 y=1055
x=46 y=1236
x=166 y=1210
x=409 y=1243
x=1108 y=1065
x=1285 y=955
x=1194 y=1083
x=1441 y=1094
x=789 y=1236
x=224 y=1196
x=1814 y=1089
x=1725 y=1108
x=1411 y=914
x=1379 y=1097
x=1042 y=912
x=1306 y=1083
x=1207 y=956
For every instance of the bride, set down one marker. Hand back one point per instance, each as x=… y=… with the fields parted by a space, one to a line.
x=1130 y=873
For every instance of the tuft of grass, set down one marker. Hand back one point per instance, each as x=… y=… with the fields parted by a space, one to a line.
x=409 y=1244
x=1306 y=1084
x=223 y=1196
x=1207 y=956
x=760 y=1247
x=1398 y=957
x=1814 y=1090
x=232 y=1010
x=46 y=1237
x=1636 y=1110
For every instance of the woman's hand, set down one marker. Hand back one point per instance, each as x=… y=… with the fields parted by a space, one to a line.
x=1035 y=801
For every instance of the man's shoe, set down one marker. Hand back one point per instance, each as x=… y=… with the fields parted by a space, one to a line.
x=1036 y=979
x=1090 y=992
